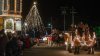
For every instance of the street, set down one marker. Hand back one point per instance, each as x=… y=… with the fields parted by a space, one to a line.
x=42 y=51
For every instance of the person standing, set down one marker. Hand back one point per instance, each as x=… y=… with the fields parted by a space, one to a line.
x=12 y=46
x=3 y=43
x=27 y=41
x=76 y=41
x=91 y=43
x=68 y=41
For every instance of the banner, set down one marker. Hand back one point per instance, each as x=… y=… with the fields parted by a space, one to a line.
x=1 y=23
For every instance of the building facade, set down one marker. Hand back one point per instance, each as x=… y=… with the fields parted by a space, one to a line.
x=10 y=15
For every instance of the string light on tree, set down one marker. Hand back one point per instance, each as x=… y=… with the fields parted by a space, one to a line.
x=34 y=20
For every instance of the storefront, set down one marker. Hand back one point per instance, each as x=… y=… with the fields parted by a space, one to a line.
x=10 y=24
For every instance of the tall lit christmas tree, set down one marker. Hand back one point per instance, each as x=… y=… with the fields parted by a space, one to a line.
x=33 y=20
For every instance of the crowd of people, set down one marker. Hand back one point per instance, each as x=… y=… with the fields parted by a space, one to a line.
x=77 y=37
x=13 y=44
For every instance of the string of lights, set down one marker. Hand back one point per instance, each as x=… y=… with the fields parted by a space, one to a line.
x=33 y=20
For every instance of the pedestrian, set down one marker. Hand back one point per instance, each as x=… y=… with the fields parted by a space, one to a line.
x=27 y=41
x=91 y=43
x=8 y=50
x=12 y=46
x=76 y=43
x=3 y=42
x=68 y=40
x=20 y=45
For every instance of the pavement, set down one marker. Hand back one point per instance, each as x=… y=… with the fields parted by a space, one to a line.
x=54 y=51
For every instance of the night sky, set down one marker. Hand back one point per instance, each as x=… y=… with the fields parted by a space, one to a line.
x=87 y=11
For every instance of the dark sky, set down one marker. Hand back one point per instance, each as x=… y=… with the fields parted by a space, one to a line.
x=87 y=10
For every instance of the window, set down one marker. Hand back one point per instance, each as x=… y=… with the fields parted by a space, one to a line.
x=11 y=4
x=18 y=5
x=0 y=7
x=5 y=4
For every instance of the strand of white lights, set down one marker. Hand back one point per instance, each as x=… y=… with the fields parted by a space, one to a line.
x=33 y=18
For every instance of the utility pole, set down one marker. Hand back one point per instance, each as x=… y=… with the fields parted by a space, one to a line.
x=64 y=13
x=73 y=12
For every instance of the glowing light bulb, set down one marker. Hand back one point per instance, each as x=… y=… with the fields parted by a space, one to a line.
x=35 y=3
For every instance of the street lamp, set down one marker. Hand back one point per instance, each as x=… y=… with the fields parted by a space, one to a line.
x=25 y=26
x=50 y=26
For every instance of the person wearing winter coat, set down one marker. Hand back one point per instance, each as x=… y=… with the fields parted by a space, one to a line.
x=3 y=43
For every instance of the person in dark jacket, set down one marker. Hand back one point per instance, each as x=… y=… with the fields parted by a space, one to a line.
x=3 y=42
x=12 y=47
